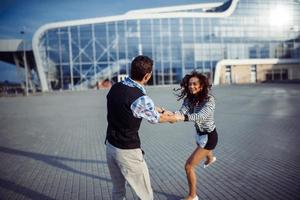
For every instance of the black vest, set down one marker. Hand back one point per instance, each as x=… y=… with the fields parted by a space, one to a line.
x=122 y=129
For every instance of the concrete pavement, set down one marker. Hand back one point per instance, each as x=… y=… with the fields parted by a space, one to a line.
x=52 y=146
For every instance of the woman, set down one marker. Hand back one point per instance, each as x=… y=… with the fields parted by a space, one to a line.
x=198 y=107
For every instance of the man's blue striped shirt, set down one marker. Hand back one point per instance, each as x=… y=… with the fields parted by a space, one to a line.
x=144 y=106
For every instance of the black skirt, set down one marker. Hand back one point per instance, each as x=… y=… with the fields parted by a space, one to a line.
x=212 y=140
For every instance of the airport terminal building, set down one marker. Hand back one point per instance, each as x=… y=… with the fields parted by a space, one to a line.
x=234 y=41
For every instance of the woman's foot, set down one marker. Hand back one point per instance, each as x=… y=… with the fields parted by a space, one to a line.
x=191 y=198
x=209 y=162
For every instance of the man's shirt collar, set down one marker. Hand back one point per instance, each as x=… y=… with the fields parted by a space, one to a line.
x=131 y=83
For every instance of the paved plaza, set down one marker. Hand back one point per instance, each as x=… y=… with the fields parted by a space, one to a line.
x=52 y=146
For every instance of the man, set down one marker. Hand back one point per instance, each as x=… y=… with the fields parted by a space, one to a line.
x=127 y=104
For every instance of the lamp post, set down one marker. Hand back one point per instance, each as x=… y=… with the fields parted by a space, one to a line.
x=25 y=62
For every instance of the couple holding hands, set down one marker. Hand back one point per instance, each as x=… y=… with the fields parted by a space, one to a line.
x=128 y=104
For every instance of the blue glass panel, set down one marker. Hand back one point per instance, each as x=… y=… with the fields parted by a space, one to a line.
x=132 y=26
x=158 y=72
x=121 y=40
x=189 y=65
x=199 y=66
x=189 y=54
x=77 y=71
x=88 y=70
x=166 y=53
x=264 y=52
x=177 y=71
x=66 y=70
x=52 y=45
x=188 y=36
x=145 y=26
x=65 y=49
x=167 y=73
x=101 y=42
x=176 y=52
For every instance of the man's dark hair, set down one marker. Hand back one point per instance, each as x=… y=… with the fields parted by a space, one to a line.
x=140 y=66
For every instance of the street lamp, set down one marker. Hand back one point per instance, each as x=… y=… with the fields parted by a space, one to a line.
x=25 y=61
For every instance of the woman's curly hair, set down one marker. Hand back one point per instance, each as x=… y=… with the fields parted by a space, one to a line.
x=194 y=98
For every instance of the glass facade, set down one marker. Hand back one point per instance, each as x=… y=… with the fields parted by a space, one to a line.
x=78 y=56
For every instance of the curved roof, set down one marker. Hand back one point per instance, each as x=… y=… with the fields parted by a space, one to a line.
x=203 y=6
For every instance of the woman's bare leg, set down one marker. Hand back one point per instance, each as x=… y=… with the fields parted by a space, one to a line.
x=198 y=155
x=209 y=157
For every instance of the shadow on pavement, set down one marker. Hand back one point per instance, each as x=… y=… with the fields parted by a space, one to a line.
x=22 y=190
x=54 y=161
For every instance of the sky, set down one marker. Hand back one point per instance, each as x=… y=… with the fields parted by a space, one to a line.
x=29 y=15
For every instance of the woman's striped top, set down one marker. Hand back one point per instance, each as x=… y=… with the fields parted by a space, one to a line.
x=202 y=114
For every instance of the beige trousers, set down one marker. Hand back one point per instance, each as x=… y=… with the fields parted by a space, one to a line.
x=128 y=165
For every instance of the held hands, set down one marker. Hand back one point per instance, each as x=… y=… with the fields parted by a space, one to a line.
x=178 y=117
x=174 y=117
x=167 y=112
x=169 y=116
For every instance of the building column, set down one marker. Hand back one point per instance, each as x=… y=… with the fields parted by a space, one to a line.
x=253 y=77
x=228 y=74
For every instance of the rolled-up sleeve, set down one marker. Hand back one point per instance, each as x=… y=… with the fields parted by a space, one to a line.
x=184 y=109
x=144 y=107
